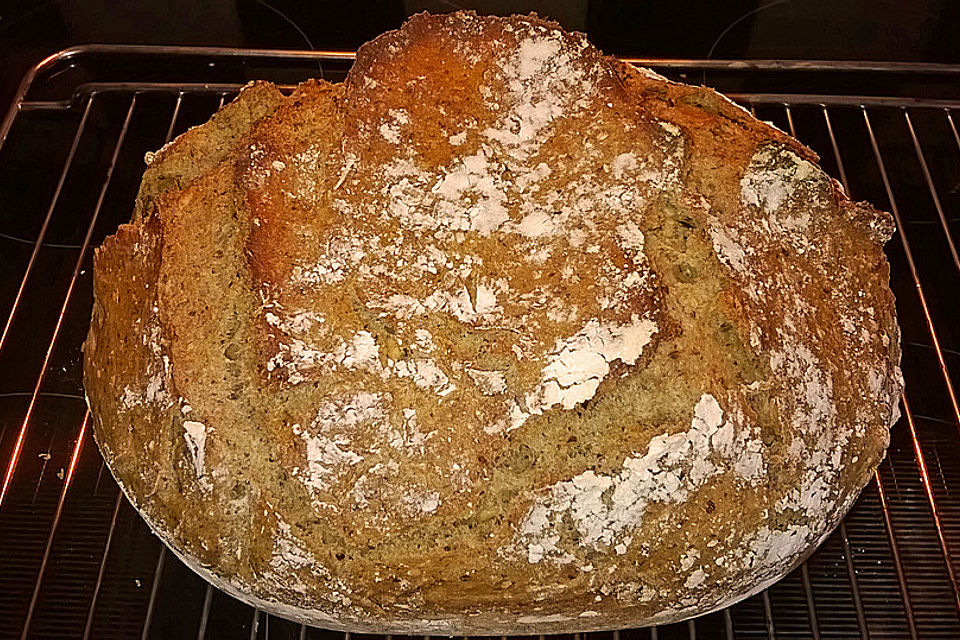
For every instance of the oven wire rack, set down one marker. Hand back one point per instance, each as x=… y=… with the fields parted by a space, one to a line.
x=76 y=561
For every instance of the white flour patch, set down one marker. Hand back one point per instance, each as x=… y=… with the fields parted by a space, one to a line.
x=631 y=237
x=329 y=273
x=773 y=177
x=537 y=224
x=541 y=80
x=776 y=181
x=391 y=131
x=729 y=249
x=129 y=399
x=425 y=374
x=490 y=383
x=605 y=509
x=467 y=196
x=423 y=340
x=156 y=391
x=810 y=407
x=408 y=437
x=195 y=435
x=418 y=502
x=403 y=306
x=295 y=323
x=622 y=164
x=323 y=455
x=578 y=364
x=560 y=313
x=287 y=551
x=342 y=255
x=328 y=440
x=816 y=411
x=459 y=304
x=695 y=579
x=362 y=350
x=301 y=322
x=369 y=486
x=297 y=358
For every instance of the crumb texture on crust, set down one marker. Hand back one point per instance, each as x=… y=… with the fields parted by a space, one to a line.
x=498 y=336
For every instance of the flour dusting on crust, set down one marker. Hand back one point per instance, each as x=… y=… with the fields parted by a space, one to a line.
x=607 y=509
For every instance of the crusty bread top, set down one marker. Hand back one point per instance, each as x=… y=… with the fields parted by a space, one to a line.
x=498 y=329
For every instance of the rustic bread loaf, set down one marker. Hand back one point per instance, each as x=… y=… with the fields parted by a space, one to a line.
x=498 y=336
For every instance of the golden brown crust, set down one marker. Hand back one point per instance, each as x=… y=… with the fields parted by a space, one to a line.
x=498 y=336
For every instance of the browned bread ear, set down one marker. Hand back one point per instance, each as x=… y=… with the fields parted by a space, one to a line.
x=203 y=147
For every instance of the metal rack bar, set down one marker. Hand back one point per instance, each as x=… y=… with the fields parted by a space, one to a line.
x=68 y=162
x=811 y=606
x=728 y=624
x=173 y=119
x=933 y=190
x=18 y=446
x=934 y=509
x=912 y=265
x=68 y=481
x=953 y=128
x=790 y=125
x=665 y=63
x=891 y=535
x=836 y=150
x=255 y=624
x=96 y=485
x=854 y=583
x=838 y=100
x=232 y=87
x=205 y=613
x=154 y=588
x=852 y=66
x=43 y=471
x=768 y=615
x=895 y=550
x=88 y=626
x=66 y=55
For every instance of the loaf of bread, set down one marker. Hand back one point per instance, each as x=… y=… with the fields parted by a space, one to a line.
x=498 y=336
